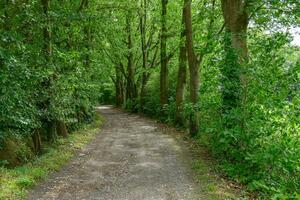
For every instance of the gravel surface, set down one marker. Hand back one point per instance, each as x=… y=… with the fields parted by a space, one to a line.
x=132 y=159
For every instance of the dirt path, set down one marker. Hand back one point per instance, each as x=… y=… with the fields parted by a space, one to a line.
x=130 y=160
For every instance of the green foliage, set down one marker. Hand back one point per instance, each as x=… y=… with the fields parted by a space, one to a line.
x=35 y=89
x=16 y=182
x=249 y=111
x=265 y=153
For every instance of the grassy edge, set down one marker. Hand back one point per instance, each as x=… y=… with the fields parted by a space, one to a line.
x=15 y=183
x=212 y=182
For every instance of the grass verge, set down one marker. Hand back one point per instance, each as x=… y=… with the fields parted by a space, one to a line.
x=212 y=183
x=15 y=183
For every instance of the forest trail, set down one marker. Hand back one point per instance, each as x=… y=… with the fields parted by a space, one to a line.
x=132 y=159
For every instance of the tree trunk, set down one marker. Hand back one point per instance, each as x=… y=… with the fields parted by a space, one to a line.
x=143 y=92
x=49 y=123
x=193 y=68
x=119 y=87
x=61 y=129
x=37 y=142
x=163 y=56
x=51 y=131
x=86 y=61
x=143 y=24
x=236 y=56
x=181 y=80
x=131 y=89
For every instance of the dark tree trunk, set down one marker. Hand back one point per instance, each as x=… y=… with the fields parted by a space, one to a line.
x=50 y=123
x=163 y=56
x=181 y=80
x=131 y=88
x=193 y=68
x=51 y=131
x=143 y=25
x=236 y=56
x=143 y=92
x=61 y=129
x=119 y=87
x=37 y=142
x=82 y=114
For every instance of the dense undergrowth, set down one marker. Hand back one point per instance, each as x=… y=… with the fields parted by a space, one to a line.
x=15 y=182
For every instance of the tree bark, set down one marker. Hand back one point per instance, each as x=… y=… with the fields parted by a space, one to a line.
x=193 y=62
x=119 y=87
x=61 y=129
x=143 y=92
x=51 y=131
x=37 y=142
x=163 y=56
x=236 y=57
x=86 y=61
x=50 y=123
x=181 y=77
x=131 y=88
x=143 y=25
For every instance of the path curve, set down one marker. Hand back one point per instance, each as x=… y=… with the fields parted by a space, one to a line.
x=132 y=159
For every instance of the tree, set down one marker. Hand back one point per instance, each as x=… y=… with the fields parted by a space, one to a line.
x=235 y=81
x=181 y=76
x=163 y=56
x=144 y=48
x=131 y=86
x=49 y=122
x=193 y=62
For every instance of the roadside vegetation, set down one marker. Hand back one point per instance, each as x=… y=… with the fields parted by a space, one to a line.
x=48 y=88
x=16 y=182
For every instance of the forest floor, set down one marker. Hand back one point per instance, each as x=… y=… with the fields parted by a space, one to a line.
x=134 y=158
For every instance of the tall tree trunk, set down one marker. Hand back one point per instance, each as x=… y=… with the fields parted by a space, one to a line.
x=131 y=88
x=51 y=131
x=61 y=129
x=81 y=110
x=163 y=56
x=143 y=25
x=236 y=56
x=119 y=87
x=181 y=77
x=50 y=123
x=193 y=68
x=37 y=142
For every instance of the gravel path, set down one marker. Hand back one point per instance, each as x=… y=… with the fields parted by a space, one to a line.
x=132 y=159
